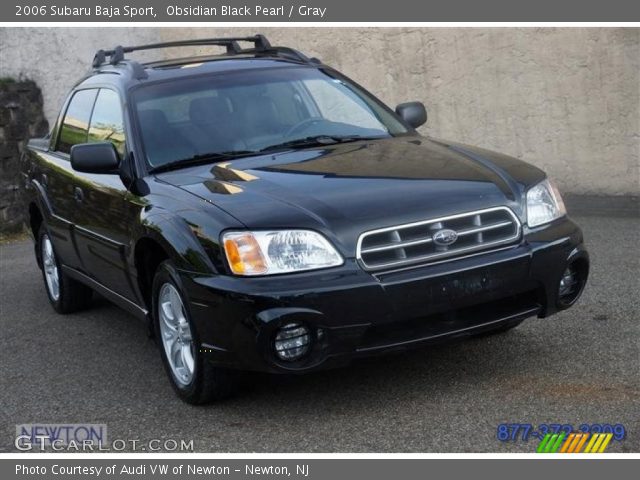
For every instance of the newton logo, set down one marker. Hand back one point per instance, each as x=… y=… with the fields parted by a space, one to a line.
x=574 y=443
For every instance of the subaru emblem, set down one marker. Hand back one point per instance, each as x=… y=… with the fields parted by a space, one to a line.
x=445 y=237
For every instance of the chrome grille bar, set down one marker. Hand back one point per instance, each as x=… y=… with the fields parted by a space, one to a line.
x=414 y=242
x=397 y=245
x=483 y=228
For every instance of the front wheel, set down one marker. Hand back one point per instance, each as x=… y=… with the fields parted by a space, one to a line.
x=194 y=379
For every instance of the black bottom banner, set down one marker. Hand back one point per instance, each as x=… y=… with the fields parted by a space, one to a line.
x=304 y=468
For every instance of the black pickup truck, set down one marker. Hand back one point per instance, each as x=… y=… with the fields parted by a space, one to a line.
x=261 y=211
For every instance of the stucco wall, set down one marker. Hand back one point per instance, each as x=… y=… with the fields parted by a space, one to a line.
x=55 y=58
x=566 y=99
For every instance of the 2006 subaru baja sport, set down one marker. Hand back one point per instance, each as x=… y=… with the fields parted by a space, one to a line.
x=263 y=212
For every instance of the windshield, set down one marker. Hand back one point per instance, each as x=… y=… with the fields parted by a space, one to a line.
x=261 y=110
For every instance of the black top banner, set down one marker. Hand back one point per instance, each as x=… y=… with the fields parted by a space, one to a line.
x=319 y=11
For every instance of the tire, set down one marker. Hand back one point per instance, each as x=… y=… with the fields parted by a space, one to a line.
x=192 y=376
x=65 y=294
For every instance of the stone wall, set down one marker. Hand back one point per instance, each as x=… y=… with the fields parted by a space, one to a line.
x=565 y=99
x=21 y=118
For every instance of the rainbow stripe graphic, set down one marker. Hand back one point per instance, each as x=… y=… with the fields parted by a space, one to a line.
x=574 y=442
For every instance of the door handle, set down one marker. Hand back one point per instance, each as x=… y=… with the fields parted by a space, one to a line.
x=45 y=180
x=78 y=194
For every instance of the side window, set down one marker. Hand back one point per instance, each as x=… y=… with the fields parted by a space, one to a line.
x=107 y=121
x=75 y=126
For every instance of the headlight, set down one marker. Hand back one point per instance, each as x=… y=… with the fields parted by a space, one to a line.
x=279 y=251
x=544 y=204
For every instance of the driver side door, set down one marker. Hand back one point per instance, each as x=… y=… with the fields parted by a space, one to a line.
x=106 y=210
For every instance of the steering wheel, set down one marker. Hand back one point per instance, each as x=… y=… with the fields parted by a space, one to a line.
x=303 y=125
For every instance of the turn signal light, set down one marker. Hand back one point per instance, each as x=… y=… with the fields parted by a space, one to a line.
x=244 y=255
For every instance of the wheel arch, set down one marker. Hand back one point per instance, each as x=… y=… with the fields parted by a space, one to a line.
x=167 y=239
x=148 y=254
x=35 y=218
x=35 y=221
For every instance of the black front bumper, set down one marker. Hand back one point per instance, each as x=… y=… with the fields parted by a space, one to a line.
x=354 y=313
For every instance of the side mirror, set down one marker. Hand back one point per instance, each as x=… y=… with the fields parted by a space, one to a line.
x=95 y=158
x=413 y=113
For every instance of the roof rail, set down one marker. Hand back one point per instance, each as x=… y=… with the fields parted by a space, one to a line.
x=261 y=46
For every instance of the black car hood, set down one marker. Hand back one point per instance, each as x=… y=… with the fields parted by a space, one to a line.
x=346 y=189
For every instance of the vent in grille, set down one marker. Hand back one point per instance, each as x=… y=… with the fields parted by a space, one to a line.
x=438 y=238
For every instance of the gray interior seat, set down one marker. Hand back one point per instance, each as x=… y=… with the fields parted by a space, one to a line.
x=215 y=127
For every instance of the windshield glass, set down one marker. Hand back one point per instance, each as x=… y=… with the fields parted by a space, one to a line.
x=251 y=111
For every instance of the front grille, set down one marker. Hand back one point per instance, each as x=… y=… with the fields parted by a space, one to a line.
x=438 y=238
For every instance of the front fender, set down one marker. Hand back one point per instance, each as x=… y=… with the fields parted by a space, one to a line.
x=179 y=241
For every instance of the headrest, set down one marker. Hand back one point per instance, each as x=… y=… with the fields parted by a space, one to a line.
x=152 y=119
x=209 y=110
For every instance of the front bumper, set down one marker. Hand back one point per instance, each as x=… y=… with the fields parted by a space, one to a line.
x=354 y=313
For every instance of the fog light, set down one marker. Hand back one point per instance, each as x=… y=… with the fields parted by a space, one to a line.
x=572 y=283
x=292 y=342
x=568 y=283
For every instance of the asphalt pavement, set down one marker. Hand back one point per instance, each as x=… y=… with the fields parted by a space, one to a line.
x=98 y=366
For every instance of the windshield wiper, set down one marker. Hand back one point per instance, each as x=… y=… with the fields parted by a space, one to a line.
x=316 y=140
x=201 y=159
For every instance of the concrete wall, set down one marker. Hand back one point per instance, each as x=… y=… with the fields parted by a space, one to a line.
x=55 y=58
x=565 y=99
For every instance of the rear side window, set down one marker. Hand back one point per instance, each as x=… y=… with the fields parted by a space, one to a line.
x=107 y=121
x=75 y=126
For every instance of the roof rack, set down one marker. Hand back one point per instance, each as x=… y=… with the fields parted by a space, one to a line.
x=261 y=46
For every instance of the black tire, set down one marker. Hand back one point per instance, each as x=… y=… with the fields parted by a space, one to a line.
x=208 y=383
x=73 y=296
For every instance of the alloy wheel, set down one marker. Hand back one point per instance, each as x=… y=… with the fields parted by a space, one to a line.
x=175 y=332
x=50 y=267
